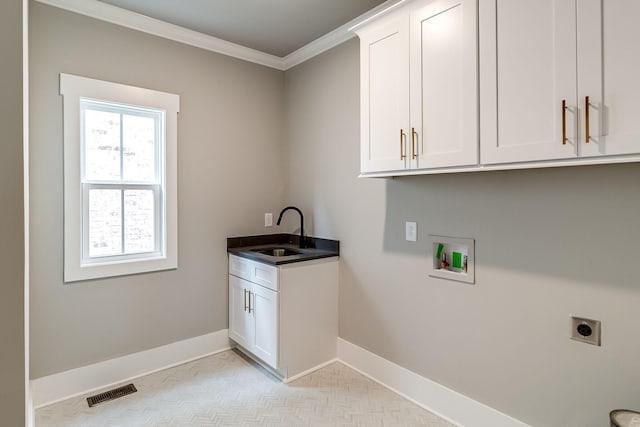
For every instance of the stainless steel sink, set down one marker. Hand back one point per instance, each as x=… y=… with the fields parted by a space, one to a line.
x=277 y=251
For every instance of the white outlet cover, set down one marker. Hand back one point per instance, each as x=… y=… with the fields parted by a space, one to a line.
x=411 y=231
x=268 y=220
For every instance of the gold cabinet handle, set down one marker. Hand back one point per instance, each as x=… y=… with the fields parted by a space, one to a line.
x=564 y=122
x=413 y=143
x=402 y=155
x=586 y=119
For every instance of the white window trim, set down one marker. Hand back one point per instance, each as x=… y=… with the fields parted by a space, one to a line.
x=72 y=88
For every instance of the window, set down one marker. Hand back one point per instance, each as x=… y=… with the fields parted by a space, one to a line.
x=120 y=146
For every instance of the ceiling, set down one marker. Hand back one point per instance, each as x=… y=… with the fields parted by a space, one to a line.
x=276 y=27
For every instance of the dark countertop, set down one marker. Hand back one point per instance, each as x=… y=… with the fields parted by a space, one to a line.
x=315 y=248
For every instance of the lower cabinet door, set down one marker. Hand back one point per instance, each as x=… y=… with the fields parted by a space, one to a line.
x=264 y=309
x=241 y=328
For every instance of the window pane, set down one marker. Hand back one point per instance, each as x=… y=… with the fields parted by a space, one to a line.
x=139 y=224
x=101 y=145
x=105 y=223
x=138 y=140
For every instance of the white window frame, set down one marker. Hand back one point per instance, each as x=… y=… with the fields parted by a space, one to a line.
x=77 y=266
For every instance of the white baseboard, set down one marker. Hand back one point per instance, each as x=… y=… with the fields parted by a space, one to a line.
x=30 y=420
x=63 y=385
x=308 y=371
x=442 y=401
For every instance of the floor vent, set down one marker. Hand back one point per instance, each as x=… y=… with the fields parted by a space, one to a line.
x=111 y=394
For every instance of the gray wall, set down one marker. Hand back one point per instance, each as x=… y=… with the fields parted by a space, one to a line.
x=549 y=243
x=12 y=349
x=229 y=144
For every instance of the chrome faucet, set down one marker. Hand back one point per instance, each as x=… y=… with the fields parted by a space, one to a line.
x=302 y=243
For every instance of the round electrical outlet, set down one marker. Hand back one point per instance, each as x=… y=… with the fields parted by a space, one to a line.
x=584 y=329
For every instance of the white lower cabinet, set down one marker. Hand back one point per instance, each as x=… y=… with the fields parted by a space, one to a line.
x=253 y=318
x=290 y=321
x=240 y=321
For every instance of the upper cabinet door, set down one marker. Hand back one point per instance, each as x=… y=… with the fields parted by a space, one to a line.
x=384 y=95
x=527 y=70
x=444 y=88
x=609 y=74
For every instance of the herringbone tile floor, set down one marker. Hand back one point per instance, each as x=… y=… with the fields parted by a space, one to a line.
x=227 y=390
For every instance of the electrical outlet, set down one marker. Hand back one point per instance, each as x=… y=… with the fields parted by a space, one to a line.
x=585 y=330
x=411 y=229
x=268 y=220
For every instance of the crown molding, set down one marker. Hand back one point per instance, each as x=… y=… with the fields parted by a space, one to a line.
x=384 y=9
x=316 y=47
x=136 y=21
x=337 y=36
x=156 y=27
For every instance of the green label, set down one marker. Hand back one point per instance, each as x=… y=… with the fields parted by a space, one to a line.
x=456 y=262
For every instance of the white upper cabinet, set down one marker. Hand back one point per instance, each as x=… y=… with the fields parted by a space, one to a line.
x=609 y=74
x=538 y=55
x=384 y=65
x=527 y=70
x=444 y=89
x=466 y=85
x=419 y=87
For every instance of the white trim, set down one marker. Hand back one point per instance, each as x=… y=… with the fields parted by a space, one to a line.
x=588 y=161
x=316 y=47
x=125 y=18
x=337 y=36
x=309 y=371
x=442 y=401
x=30 y=420
x=64 y=385
x=29 y=413
x=384 y=9
x=73 y=88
